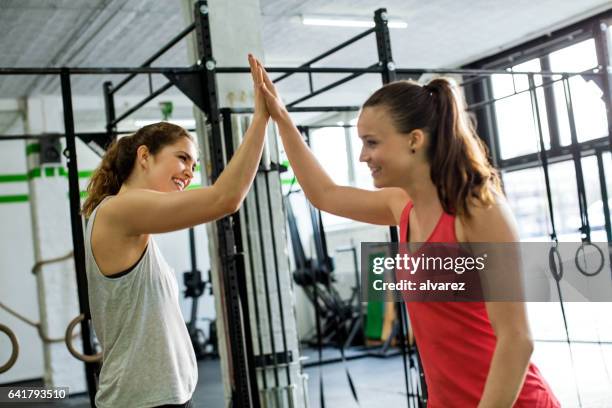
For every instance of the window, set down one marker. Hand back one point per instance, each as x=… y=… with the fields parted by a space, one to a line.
x=329 y=146
x=516 y=126
x=526 y=193
x=588 y=106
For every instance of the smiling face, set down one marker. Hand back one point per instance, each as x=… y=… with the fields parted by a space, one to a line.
x=386 y=151
x=172 y=168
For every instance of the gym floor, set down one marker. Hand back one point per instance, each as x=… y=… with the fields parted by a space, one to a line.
x=380 y=381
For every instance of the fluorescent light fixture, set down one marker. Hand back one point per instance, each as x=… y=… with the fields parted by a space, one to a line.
x=346 y=21
x=186 y=123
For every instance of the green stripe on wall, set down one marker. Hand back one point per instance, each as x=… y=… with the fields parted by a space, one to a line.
x=34 y=173
x=32 y=148
x=20 y=198
x=37 y=172
x=12 y=178
x=290 y=181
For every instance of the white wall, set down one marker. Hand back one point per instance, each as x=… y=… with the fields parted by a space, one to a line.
x=17 y=283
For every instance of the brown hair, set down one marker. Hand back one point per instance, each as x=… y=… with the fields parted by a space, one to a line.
x=118 y=162
x=460 y=167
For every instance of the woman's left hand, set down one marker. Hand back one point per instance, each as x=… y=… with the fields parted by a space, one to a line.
x=260 y=102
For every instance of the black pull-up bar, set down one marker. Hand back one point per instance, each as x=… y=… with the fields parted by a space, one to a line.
x=155 y=56
x=142 y=103
x=330 y=86
x=327 y=53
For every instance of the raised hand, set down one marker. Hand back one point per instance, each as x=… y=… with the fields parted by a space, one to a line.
x=258 y=83
x=275 y=106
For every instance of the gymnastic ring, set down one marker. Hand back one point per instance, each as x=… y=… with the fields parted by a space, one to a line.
x=83 y=357
x=601 y=257
x=14 y=353
x=552 y=263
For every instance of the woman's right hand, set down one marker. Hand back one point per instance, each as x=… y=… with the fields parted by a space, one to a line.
x=275 y=106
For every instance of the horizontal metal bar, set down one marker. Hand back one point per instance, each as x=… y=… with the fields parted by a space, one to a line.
x=329 y=52
x=305 y=70
x=327 y=88
x=90 y=135
x=141 y=103
x=99 y=70
x=314 y=70
x=572 y=341
x=486 y=102
x=158 y=54
x=61 y=135
x=302 y=109
x=27 y=137
x=595 y=72
x=328 y=126
x=560 y=154
x=297 y=109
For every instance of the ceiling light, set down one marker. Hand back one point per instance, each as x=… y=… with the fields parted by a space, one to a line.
x=340 y=21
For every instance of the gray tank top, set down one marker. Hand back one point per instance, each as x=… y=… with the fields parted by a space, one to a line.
x=147 y=356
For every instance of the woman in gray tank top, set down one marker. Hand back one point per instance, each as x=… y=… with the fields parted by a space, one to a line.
x=139 y=189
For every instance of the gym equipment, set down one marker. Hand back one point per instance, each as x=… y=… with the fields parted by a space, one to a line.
x=340 y=319
x=68 y=338
x=194 y=288
x=585 y=228
x=86 y=358
x=336 y=320
x=553 y=256
x=14 y=351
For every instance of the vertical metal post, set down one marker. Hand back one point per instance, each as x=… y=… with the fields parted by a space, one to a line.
x=383 y=44
x=603 y=47
x=194 y=270
x=109 y=108
x=551 y=110
x=604 y=201
x=310 y=83
x=241 y=276
x=385 y=60
x=244 y=392
x=604 y=194
x=78 y=242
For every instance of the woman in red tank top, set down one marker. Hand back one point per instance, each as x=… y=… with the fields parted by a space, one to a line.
x=435 y=180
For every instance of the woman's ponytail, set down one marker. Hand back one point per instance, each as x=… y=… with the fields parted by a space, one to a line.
x=115 y=168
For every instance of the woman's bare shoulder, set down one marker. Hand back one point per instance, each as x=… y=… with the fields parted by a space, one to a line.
x=489 y=223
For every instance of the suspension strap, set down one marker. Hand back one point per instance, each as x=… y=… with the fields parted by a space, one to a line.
x=553 y=255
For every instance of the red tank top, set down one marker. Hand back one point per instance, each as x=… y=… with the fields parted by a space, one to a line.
x=456 y=343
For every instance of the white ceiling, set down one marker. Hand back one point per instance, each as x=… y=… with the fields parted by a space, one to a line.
x=441 y=33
